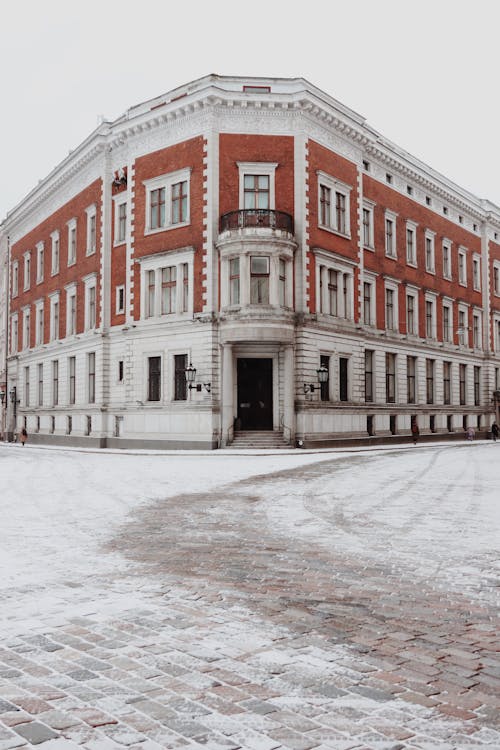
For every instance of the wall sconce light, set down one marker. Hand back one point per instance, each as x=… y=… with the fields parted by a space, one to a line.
x=190 y=372
x=322 y=373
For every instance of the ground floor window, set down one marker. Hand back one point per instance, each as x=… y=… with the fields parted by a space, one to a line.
x=180 y=385
x=154 y=378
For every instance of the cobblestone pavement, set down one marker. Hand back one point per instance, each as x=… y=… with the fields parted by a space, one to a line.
x=261 y=628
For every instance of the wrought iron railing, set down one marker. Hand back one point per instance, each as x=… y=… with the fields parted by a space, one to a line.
x=256 y=217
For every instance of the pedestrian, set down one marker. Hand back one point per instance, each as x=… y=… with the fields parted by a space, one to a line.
x=494 y=431
x=470 y=433
x=415 y=432
x=23 y=436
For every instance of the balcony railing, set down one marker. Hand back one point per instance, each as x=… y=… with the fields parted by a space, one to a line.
x=256 y=217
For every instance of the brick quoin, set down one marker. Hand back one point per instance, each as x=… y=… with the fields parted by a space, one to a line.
x=185 y=155
x=324 y=160
x=389 y=199
x=75 y=208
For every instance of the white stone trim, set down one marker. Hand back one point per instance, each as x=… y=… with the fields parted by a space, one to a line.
x=335 y=186
x=91 y=212
x=167 y=181
x=120 y=199
x=257 y=168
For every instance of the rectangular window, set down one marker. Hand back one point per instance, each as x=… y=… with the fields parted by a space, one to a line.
x=168 y=290
x=496 y=280
x=429 y=254
x=256 y=191
x=92 y=307
x=343 y=378
x=390 y=378
x=429 y=373
x=333 y=296
x=325 y=205
x=120 y=299
x=340 y=212
x=72 y=315
x=462 y=329
x=368 y=375
x=234 y=281
x=150 y=304
x=91 y=230
x=179 y=202
x=185 y=287
x=71 y=244
x=282 y=283
x=411 y=255
x=446 y=323
x=411 y=369
x=157 y=208
x=39 y=325
x=15 y=335
x=27 y=271
x=91 y=376
x=39 y=262
x=26 y=386
x=390 y=238
x=324 y=361
x=55 y=382
x=259 y=280
x=429 y=319
x=477 y=385
x=446 y=260
x=154 y=378
x=367 y=304
x=27 y=330
x=55 y=253
x=120 y=371
x=15 y=279
x=180 y=385
x=447 y=382
x=367 y=227
x=476 y=274
x=462 y=375
x=389 y=309
x=121 y=225
x=410 y=314
x=476 y=331
x=40 y=384
x=462 y=267
x=72 y=379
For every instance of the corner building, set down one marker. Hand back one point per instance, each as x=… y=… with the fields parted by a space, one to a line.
x=256 y=236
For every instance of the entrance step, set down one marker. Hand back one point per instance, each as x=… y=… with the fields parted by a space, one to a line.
x=258 y=439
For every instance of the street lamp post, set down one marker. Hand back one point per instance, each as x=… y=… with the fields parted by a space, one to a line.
x=14 y=401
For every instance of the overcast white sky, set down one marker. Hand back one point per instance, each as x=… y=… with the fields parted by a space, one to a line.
x=425 y=74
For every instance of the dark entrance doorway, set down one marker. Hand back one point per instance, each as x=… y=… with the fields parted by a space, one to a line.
x=255 y=394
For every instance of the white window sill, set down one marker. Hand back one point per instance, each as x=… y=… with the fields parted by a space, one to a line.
x=148 y=231
x=411 y=263
x=90 y=252
x=118 y=243
x=371 y=248
x=72 y=263
x=332 y=230
x=54 y=272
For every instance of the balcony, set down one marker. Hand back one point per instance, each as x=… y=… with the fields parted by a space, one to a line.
x=256 y=218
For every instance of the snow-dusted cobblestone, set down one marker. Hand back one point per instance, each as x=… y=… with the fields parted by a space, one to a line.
x=329 y=601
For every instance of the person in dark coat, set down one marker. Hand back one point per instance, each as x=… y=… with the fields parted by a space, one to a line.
x=415 y=432
x=23 y=436
x=494 y=431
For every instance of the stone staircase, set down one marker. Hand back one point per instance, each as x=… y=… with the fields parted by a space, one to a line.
x=263 y=439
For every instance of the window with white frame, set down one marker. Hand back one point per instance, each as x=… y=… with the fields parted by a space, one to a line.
x=234 y=281
x=167 y=201
x=476 y=273
x=391 y=307
x=40 y=384
x=26 y=328
x=90 y=283
x=91 y=377
x=496 y=279
x=120 y=299
x=369 y=301
x=446 y=247
x=14 y=334
x=120 y=233
x=335 y=282
x=334 y=204
x=412 y=312
x=70 y=310
x=27 y=270
x=430 y=259
x=430 y=316
x=91 y=212
x=390 y=234
x=55 y=253
x=411 y=243
x=447 y=382
x=259 y=279
x=390 y=378
x=71 y=242
x=72 y=380
x=368 y=224
x=55 y=382
x=497 y=335
x=39 y=308
x=430 y=366
x=447 y=322
x=476 y=330
x=257 y=185
x=15 y=278
x=282 y=282
x=463 y=328
x=167 y=283
x=27 y=386
x=54 y=316
x=462 y=266
x=40 y=252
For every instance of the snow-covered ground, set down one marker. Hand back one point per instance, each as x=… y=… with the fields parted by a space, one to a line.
x=435 y=509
